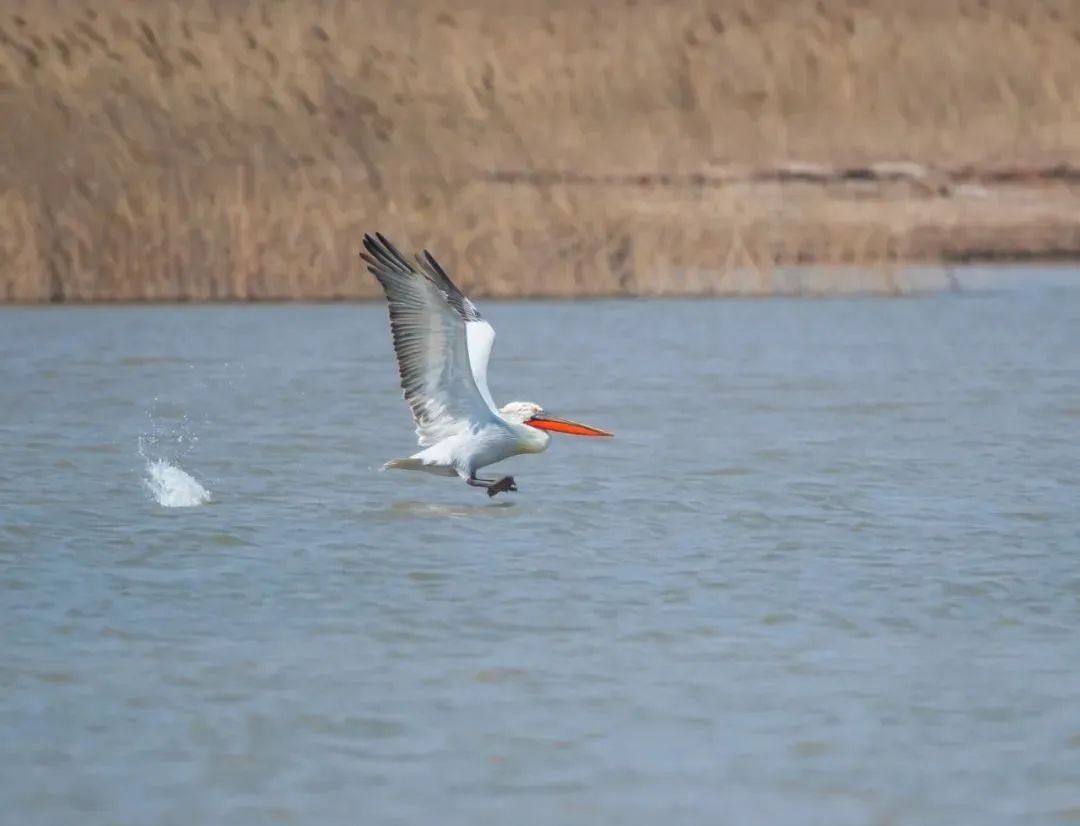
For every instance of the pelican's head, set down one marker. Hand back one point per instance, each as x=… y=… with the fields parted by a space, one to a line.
x=533 y=415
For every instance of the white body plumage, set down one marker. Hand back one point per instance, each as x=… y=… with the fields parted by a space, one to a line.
x=480 y=445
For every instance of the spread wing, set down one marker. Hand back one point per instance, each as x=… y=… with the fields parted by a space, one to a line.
x=479 y=335
x=442 y=343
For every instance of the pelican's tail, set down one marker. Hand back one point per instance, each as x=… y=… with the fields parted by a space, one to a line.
x=411 y=463
x=416 y=463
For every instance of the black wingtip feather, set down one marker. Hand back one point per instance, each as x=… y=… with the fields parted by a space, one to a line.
x=392 y=251
x=384 y=260
x=435 y=265
x=385 y=255
x=437 y=275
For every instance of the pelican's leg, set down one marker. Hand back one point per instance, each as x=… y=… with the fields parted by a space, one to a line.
x=494 y=486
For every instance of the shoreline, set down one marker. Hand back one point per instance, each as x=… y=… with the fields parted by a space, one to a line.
x=847 y=233
x=909 y=279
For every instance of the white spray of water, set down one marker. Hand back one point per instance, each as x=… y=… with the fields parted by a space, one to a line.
x=170 y=440
x=172 y=487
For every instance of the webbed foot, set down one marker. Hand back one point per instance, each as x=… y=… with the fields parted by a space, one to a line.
x=504 y=484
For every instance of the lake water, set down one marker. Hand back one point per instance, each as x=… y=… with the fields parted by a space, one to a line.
x=828 y=571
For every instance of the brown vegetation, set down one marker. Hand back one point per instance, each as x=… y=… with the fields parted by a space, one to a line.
x=226 y=149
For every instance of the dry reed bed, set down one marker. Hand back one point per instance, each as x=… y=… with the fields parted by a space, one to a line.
x=237 y=150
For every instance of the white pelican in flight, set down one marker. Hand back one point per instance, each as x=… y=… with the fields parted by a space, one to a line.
x=442 y=347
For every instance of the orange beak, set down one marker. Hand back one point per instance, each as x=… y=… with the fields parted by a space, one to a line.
x=543 y=421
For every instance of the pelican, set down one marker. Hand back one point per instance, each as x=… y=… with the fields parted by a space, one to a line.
x=443 y=346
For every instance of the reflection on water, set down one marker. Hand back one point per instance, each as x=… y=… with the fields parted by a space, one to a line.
x=412 y=510
x=826 y=573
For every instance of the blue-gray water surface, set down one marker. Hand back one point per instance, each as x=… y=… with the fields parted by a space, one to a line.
x=828 y=571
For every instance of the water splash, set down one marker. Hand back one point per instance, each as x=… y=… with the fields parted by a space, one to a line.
x=172 y=487
x=169 y=441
